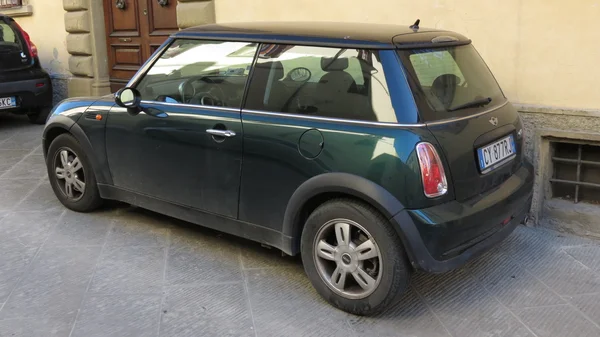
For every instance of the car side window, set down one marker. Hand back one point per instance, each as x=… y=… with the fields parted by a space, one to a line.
x=319 y=81
x=199 y=72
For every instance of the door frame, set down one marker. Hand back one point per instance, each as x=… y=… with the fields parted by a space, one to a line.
x=144 y=38
x=151 y=60
x=86 y=42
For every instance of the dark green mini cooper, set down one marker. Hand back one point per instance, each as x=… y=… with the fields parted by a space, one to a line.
x=371 y=150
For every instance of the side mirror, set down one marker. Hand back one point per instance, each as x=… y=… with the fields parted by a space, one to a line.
x=129 y=98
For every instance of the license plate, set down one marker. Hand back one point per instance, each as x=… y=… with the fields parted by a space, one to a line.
x=8 y=102
x=496 y=153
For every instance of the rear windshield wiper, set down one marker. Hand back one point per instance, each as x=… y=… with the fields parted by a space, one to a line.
x=473 y=103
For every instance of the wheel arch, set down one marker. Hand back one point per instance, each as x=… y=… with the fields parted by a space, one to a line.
x=50 y=134
x=322 y=188
x=61 y=125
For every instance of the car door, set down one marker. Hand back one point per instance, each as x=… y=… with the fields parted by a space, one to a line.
x=309 y=111
x=185 y=147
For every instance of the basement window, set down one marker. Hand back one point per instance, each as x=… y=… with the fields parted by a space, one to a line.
x=10 y=3
x=576 y=172
x=15 y=8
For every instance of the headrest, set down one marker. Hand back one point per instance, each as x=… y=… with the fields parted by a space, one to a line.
x=265 y=68
x=328 y=64
x=278 y=69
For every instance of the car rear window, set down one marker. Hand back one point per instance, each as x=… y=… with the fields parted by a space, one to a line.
x=8 y=38
x=447 y=82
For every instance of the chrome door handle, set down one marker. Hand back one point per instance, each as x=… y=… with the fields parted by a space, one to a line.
x=221 y=133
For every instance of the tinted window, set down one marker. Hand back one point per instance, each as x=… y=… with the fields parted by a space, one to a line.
x=317 y=81
x=200 y=73
x=428 y=66
x=8 y=38
x=446 y=80
x=13 y=55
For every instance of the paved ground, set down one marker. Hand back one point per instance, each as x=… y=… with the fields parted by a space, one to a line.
x=127 y=272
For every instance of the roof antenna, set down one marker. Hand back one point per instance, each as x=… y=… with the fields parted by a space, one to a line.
x=415 y=27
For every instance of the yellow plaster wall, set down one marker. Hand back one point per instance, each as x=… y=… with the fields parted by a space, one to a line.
x=47 y=30
x=543 y=52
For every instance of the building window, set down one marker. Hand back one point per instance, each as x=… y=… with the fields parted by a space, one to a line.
x=576 y=172
x=10 y=3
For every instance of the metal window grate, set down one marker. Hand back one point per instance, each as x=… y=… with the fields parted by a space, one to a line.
x=10 y=3
x=576 y=172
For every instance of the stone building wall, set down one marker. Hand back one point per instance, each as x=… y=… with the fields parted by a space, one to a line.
x=544 y=125
x=86 y=42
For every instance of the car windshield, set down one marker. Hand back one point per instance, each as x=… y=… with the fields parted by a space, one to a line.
x=450 y=82
x=188 y=57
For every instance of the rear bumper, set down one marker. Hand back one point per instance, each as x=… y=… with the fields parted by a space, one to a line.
x=444 y=237
x=30 y=94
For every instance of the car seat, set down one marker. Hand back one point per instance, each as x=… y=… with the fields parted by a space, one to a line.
x=268 y=75
x=444 y=88
x=335 y=89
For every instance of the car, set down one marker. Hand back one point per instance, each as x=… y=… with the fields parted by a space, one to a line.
x=370 y=150
x=25 y=88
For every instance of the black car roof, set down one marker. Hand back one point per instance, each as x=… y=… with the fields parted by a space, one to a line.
x=362 y=35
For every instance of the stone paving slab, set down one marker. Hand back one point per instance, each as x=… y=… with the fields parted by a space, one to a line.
x=123 y=271
x=118 y=315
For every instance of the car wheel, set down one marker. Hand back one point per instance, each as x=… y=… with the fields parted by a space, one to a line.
x=71 y=175
x=353 y=257
x=39 y=116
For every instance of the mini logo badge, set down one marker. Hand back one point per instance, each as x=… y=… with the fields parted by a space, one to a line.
x=494 y=121
x=23 y=55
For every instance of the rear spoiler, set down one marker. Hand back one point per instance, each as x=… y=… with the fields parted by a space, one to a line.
x=429 y=39
x=431 y=44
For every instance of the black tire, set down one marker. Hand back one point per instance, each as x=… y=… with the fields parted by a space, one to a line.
x=90 y=199
x=395 y=272
x=39 y=116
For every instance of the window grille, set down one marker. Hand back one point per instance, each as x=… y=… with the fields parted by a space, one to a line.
x=576 y=172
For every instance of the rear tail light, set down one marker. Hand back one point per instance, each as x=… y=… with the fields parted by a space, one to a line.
x=432 y=171
x=30 y=45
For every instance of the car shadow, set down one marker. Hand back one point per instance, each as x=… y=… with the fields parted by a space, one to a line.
x=10 y=120
x=487 y=294
x=11 y=124
x=514 y=258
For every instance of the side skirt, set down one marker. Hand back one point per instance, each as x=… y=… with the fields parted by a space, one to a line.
x=263 y=235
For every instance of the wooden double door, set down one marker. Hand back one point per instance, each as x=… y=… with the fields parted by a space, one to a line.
x=134 y=30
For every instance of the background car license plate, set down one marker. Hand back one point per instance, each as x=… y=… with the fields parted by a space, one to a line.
x=7 y=102
x=495 y=153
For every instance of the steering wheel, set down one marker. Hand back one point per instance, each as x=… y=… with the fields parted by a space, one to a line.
x=210 y=97
x=206 y=98
x=187 y=90
x=188 y=93
x=221 y=95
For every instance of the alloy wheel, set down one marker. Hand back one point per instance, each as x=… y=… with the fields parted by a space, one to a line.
x=348 y=258
x=69 y=173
